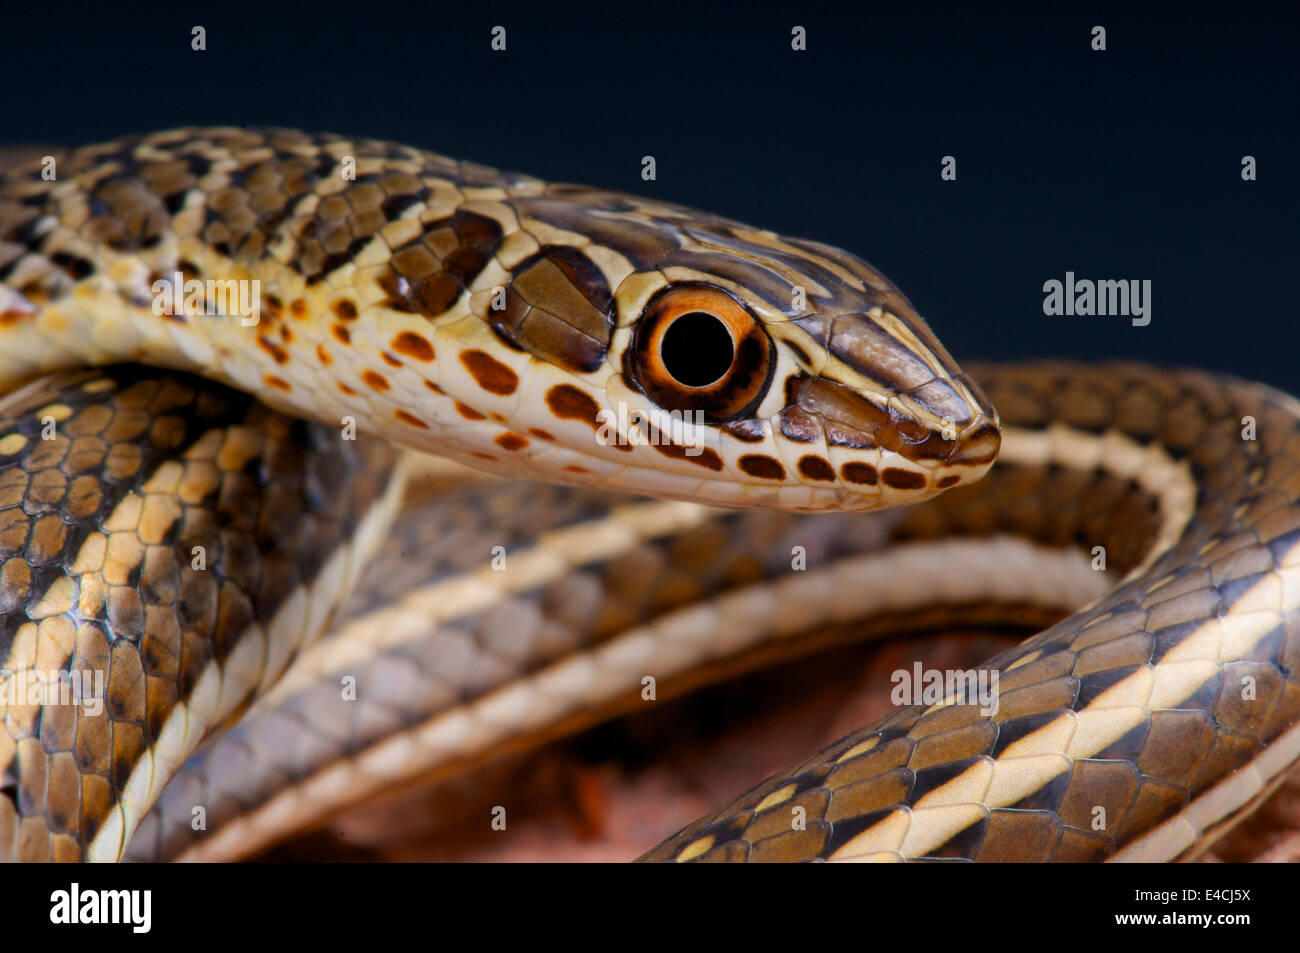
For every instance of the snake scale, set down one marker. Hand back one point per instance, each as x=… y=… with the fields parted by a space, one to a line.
x=189 y=491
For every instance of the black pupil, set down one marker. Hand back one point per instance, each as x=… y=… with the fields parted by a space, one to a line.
x=696 y=349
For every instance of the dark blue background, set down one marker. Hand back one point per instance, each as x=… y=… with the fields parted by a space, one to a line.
x=1122 y=164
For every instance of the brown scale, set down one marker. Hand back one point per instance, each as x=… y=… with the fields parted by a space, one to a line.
x=1158 y=767
x=267 y=497
x=429 y=273
x=558 y=307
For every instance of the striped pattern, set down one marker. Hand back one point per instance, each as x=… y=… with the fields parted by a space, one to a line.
x=168 y=542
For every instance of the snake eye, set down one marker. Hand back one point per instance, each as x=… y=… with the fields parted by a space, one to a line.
x=698 y=348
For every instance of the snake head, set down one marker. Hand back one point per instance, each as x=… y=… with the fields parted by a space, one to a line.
x=565 y=333
x=721 y=363
x=551 y=331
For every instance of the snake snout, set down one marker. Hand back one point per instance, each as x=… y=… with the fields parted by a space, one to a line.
x=931 y=423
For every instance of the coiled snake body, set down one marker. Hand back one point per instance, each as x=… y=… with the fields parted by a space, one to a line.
x=182 y=545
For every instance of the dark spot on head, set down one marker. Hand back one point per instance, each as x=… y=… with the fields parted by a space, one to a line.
x=411 y=419
x=434 y=387
x=706 y=458
x=493 y=376
x=469 y=413
x=342 y=333
x=375 y=380
x=483 y=456
x=412 y=345
x=763 y=467
x=816 y=468
x=573 y=469
x=863 y=473
x=902 y=479
x=511 y=441
x=390 y=360
x=345 y=309
x=280 y=355
x=346 y=389
x=569 y=403
x=274 y=305
x=279 y=383
x=298 y=308
x=950 y=480
x=540 y=434
x=323 y=355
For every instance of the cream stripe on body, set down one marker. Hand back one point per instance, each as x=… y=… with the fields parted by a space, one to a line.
x=556 y=553
x=1030 y=763
x=671 y=646
x=223 y=685
x=1251 y=783
x=905 y=578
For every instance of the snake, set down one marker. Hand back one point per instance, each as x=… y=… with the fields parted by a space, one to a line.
x=698 y=447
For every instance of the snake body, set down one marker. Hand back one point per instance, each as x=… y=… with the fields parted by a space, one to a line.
x=518 y=326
